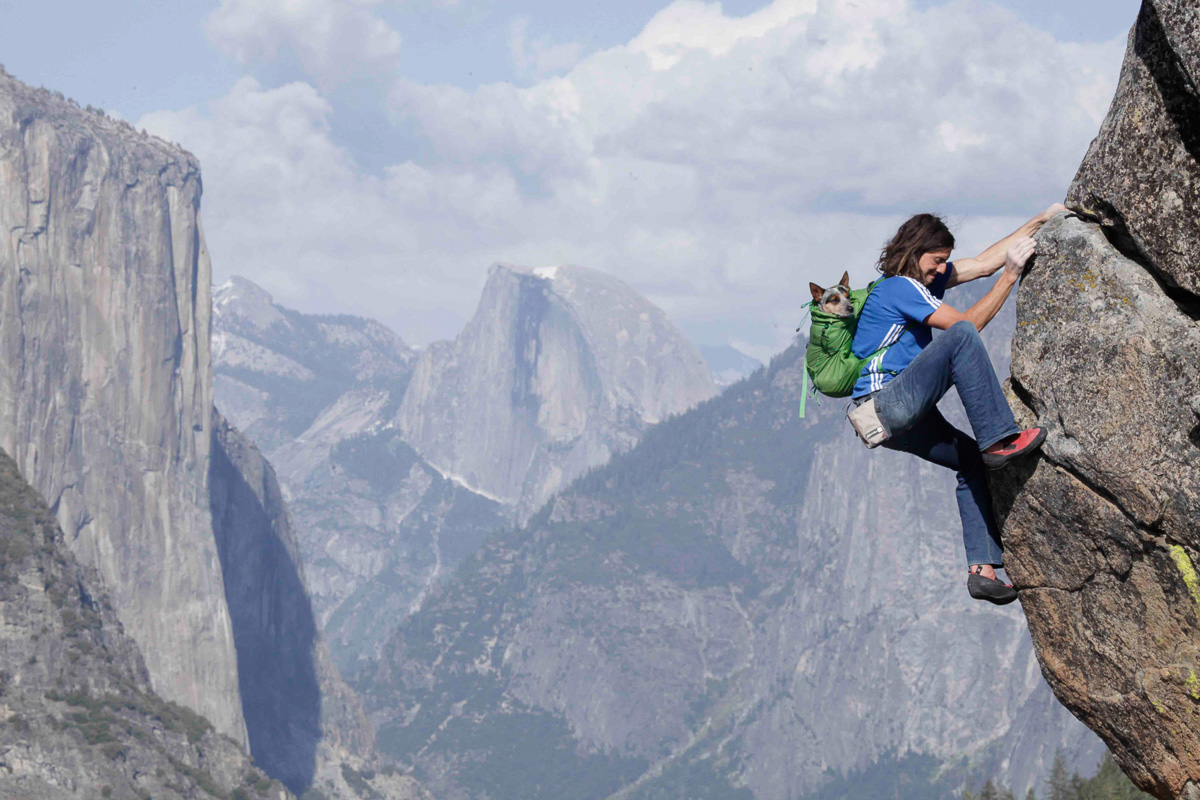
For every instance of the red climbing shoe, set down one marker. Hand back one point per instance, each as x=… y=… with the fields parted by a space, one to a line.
x=989 y=589
x=1006 y=450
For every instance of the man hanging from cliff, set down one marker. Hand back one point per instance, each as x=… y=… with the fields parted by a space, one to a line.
x=907 y=371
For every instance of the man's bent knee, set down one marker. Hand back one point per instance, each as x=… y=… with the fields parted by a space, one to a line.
x=964 y=332
x=963 y=328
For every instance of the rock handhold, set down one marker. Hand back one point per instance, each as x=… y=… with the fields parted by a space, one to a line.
x=1100 y=530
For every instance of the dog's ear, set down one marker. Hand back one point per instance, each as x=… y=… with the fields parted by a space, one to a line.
x=845 y=280
x=817 y=292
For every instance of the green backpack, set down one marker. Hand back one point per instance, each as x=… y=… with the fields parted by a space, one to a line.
x=828 y=360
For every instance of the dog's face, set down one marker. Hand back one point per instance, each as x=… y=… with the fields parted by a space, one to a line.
x=836 y=299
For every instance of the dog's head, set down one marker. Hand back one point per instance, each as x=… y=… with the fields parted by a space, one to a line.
x=836 y=299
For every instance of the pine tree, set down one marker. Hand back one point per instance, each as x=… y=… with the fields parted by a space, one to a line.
x=995 y=791
x=1030 y=795
x=1060 y=782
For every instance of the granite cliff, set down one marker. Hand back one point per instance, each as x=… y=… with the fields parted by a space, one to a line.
x=377 y=448
x=1101 y=528
x=105 y=385
x=306 y=727
x=559 y=368
x=106 y=403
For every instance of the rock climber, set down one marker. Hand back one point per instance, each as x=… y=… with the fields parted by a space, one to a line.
x=908 y=378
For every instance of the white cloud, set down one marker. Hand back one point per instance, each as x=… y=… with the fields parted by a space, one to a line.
x=539 y=57
x=717 y=164
x=688 y=26
x=330 y=40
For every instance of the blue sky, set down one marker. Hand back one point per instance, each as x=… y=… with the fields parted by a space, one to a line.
x=374 y=157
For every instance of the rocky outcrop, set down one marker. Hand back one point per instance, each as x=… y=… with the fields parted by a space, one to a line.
x=78 y=718
x=559 y=368
x=716 y=614
x=105 y=386
x=1101 y=529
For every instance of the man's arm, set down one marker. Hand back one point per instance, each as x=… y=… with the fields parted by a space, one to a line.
x=992 y=259
x=982 y=312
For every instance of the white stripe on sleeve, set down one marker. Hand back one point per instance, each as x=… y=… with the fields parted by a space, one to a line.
x=925 y=295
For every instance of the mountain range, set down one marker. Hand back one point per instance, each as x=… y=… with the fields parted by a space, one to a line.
x=397 y=464
x=747 y=604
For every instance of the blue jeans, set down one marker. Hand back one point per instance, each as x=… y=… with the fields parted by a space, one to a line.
x=907 y=405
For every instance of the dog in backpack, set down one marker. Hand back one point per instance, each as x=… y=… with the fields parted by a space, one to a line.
x=836 y=299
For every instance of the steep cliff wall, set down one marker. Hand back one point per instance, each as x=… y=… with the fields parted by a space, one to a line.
x=1102 y=529
x=306 y=726
x=559 y=368
x=105 y=387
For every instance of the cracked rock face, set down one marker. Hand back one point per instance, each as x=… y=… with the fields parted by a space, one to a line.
x=1101 y=529
x=1141 y=176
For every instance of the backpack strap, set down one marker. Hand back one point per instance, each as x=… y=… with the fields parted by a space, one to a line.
x=881 y=352
x=804 y=387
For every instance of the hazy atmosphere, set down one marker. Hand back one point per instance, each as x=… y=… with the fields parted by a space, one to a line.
x=375 y=157
x=404 y=400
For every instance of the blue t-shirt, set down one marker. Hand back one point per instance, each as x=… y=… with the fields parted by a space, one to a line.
x=893 y=304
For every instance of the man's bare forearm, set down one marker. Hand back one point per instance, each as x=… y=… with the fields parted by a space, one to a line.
x=990 y=304
x=993 y=258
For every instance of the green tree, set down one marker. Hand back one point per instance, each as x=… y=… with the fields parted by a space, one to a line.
x=1061 y=787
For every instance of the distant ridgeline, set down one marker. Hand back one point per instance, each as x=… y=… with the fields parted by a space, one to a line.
x=703 y=616
x=398 y=464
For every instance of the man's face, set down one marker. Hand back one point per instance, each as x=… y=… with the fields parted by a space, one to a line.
x=932 y=264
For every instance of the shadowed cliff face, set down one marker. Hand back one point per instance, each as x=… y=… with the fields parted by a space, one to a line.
x=305 y=725
x=1101 y=529
x=273 y=624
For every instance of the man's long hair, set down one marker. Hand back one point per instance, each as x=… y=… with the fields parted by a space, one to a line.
x=921 y=234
